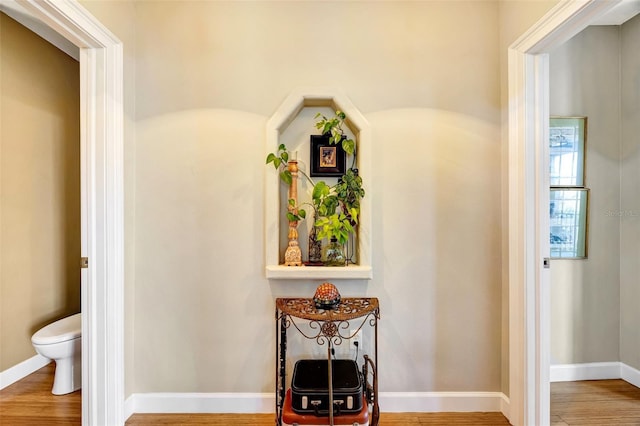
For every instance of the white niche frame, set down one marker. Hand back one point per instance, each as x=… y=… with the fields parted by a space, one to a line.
x=277 y=124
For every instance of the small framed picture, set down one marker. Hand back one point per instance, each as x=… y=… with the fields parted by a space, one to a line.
x=569 y=223
x=326 y=160
x=567 y=138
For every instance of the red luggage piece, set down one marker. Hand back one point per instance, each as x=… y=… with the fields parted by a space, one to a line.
x=291 y=418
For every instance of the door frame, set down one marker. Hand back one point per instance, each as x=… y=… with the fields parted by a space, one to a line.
x=102 y=204
x=529 y=300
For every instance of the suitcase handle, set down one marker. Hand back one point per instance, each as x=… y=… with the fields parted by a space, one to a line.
x=316 y=403
x=338 y=404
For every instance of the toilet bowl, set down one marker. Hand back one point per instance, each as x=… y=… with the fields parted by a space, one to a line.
x=61 y=341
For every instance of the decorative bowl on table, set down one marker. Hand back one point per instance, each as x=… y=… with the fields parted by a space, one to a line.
x=326 y=296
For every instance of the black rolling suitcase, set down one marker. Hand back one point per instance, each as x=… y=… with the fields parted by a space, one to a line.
x=310 y=387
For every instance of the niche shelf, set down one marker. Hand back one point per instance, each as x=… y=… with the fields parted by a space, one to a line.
x=284 y=116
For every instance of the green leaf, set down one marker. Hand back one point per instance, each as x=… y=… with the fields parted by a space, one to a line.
x=343 y=236
x=341 y=115
x=291 y=217
x=282 y=147
x=302 y=213
x=354 y=214
x=285 y=156
x=271 y=157
x=347 y=226
x=349 y=146
x=292 y=202
x=277 y=162
x=286 y=177
x=321 y=189
x=322 y=222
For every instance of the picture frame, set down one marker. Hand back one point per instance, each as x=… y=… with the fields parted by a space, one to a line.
x=569 y=223
x=567 y=140
x=326 y=160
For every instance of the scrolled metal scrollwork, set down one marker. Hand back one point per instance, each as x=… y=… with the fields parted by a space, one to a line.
x=324 y=331
x=348 y=308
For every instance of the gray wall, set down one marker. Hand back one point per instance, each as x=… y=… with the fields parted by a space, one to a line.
x=585 y=294
x=630 y=194
x=594 y=301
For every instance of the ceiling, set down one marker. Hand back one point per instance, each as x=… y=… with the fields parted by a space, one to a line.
x=620 y=13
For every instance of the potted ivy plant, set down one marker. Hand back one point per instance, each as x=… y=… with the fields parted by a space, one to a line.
x=339 y=205
x=336 y=208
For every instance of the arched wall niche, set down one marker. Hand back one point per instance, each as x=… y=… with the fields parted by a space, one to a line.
x=297 y=106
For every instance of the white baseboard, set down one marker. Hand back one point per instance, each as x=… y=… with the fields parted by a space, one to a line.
x=431 y=402
x=595 y=371
x=630 y=374
x=200 y=403
x=505 y=407
x=22 y=370
x=265 y=402
x=585 y=371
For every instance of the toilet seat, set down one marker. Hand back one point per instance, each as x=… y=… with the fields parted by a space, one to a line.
x=65 y=329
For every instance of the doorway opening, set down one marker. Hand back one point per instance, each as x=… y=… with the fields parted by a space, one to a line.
x=529 y=301
x=102 y=223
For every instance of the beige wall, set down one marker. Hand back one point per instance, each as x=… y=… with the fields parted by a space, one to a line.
x=585 y=294
x=424 y=75
x=40 y=188
x=630 y=199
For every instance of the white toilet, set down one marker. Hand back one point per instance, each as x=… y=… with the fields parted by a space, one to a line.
x=61 y=341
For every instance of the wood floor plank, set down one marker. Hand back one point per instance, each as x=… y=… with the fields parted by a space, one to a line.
x=476 y=418
x=595 y=402
x=389 y=419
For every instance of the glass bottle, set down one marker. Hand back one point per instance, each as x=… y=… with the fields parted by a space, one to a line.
x=333 y=255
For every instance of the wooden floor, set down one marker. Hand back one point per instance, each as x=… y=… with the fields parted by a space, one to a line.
x=595 y=402
x=386 y=419
x=30 y=402
x=603 y=402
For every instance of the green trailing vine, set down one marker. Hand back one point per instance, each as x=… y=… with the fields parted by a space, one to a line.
x=278 y=159
x=337 y=207
x=334 y=128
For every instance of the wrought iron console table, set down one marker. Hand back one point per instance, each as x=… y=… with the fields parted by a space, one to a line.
x=330 y=327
